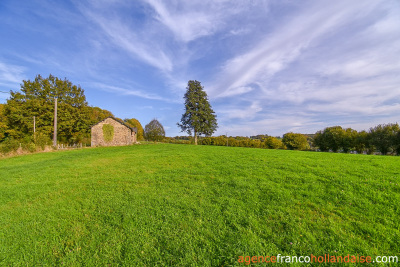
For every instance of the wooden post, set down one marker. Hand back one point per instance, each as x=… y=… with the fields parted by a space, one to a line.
x=55 y=123
x=34 y=128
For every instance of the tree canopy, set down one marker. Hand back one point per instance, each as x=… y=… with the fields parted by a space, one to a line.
x=154 y=131
x=135 y=123
x=330 y=138
x=3 y=125
x=36 y=99
x=199 y=118
x=295 y=141
x=385 y=137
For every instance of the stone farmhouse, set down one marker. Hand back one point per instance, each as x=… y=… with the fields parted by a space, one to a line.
x=112 y=132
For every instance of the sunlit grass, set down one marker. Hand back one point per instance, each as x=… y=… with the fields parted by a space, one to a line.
x=163 y=205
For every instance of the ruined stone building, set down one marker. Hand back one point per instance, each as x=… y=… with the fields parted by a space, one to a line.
x=112 y=132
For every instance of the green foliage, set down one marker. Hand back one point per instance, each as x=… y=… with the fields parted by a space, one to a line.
x=135 y=123
x=295 y=141
x=96 y=114
x=9 y=145
x=240 y=141
x=176 y=205
x=108 y=132
x=331 y=138
x=273 y=143
x=154 y=131
x=362 y=143
x=42 y=140
x=199 y=118
x=384 y=137
x=397 y=143
x=3 y=125
x=349 y=140
x=36 y=98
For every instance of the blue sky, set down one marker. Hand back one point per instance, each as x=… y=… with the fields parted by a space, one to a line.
x=268 y=67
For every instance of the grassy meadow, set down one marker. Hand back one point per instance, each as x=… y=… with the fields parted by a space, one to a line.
x=185 y=205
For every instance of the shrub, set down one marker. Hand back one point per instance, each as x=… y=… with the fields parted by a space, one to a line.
x=273 y=143
x=295 y=141
x=42 y=140
x=10 y=144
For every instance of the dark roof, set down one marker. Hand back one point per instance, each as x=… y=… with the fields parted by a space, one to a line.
x=134 y=129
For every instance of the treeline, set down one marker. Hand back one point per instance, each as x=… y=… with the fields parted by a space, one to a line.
x=26 y=123
x=27 y=119
x=383 y=139
x=289 y=141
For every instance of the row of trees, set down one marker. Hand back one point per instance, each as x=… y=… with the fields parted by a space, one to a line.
x=32 y=110
x=29 y=113
x=268 y=142
x=28 y=116
x=383 y=138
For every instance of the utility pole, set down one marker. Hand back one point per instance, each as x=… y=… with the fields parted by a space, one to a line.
x=34 y=128
x=55 y=123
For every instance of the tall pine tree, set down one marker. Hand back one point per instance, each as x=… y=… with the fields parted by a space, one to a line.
x=199 y=118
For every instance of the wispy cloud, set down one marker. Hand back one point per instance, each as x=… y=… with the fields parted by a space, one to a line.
x=132 y=92
x=11 y=74
x=189 y=20
x=283 y=46
x=300 y=67
x=125 y=35
x=268 y=66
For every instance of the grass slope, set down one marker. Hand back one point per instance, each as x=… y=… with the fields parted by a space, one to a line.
x=163 y=205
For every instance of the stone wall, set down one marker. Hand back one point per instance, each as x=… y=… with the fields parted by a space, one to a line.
x=123 y=135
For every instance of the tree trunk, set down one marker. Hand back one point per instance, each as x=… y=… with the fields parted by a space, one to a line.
x=195 y=137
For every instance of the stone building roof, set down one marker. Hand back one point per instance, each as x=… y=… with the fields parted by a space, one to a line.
x=134 y=129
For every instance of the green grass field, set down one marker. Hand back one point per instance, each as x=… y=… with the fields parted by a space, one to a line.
x=184 y=205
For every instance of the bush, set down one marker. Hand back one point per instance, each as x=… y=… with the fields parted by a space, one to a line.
x=273 y=143
x=42 y=140
x=295 y=141
x=30 y=147
x=10 y=144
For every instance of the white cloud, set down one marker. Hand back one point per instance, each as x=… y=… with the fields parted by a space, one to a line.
x=284 y=45
x=126 y=91
x=129 y=38
x=189 y=20
x=326 y=63
x=241 y=112
x=236 y=91
x=11 y=74
x=267 y=66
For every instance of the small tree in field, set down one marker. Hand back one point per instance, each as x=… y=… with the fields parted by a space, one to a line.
x=273 y=143
x=135 y=123
x=199 y=118
x=154 y=131
x=295 y=141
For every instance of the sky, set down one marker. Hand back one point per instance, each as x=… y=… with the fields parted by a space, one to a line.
x=268 y=67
